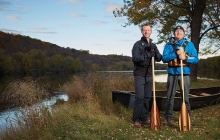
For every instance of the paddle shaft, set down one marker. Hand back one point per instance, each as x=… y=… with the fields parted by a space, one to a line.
x=155 y=114
x=154 y=98
x=184 y=119
x=182 y=82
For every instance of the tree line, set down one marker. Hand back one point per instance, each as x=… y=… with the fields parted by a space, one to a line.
x=25 y=55
x=212 y=63
x=35 y=61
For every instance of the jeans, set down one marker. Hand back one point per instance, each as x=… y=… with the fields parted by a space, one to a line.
x=171 y=91
x=143 y=92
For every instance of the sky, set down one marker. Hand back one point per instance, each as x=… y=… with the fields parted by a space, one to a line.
x=79 y=24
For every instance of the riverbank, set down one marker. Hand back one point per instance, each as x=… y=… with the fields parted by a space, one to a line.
x=90 y=114
x=8 y=117
x=24 y=92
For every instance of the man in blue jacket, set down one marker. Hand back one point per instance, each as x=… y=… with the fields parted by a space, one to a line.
x=178 y=48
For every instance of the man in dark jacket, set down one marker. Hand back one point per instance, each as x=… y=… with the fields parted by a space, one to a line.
x=142 y=53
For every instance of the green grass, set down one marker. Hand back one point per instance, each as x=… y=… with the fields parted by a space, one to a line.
x=90 y=114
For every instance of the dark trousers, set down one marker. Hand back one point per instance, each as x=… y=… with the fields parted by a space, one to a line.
x=143 y=92
x=172 y=81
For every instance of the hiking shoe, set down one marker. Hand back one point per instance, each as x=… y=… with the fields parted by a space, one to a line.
x=165 y=122
x=146 y=122
x=137 y=124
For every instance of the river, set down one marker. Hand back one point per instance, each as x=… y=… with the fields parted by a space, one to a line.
x=161 y=75
x=9 y=117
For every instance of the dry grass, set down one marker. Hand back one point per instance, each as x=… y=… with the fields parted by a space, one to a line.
x=77 y=91
x=90 y=114
x=23 y=93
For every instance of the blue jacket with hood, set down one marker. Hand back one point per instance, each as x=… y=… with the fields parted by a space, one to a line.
x=169 y=54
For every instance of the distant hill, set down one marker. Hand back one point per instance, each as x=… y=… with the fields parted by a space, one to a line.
x=12 y=44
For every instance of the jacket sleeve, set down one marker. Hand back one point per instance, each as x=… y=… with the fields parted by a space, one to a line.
x=192 y=54
x=168 y=53
x=138 y=53
x=158 y=56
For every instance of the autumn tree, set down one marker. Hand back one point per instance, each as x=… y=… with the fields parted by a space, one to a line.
x=56 y=63
x=70 y=65
x=200 y=18
x=38 y=58
x=17 y=63
x=26 y=63
x=6 y=63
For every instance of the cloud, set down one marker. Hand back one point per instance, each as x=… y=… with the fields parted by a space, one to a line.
x=4 y=5
x=12 y=18
x=47 y=32
x=71 y=1
x=64 y=25
x=40 y=29
x=11 y=31
x=8 y=6
x=76 y=3
x=110 y=7
x=117 y=30
x=119 y=20
x=78 y=15
x=21 y=8
x=99 y=22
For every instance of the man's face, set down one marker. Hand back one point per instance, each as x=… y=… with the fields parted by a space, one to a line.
x=179 y=34
x=146 y=31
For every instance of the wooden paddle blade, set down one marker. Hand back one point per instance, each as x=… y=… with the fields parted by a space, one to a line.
x=155 y=123
x=184 y=119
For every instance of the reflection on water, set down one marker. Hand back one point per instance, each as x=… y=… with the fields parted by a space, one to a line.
x=8 y=118
x=161 y=78
x=160 y=75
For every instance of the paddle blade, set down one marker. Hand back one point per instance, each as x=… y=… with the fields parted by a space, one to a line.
x=155 y=123
x=184 y=119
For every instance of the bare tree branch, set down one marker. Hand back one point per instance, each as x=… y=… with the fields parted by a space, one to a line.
x=207 y=31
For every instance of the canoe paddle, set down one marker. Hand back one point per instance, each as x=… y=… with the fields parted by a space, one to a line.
x=184 y=119
x=155 y=114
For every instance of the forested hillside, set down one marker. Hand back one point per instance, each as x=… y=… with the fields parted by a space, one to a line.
x=212 y=63
x=23 y=55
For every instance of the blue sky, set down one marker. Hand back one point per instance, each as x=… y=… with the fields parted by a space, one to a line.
x=80 y=24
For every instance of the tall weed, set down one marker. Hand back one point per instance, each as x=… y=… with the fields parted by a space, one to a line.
x=23 y=92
